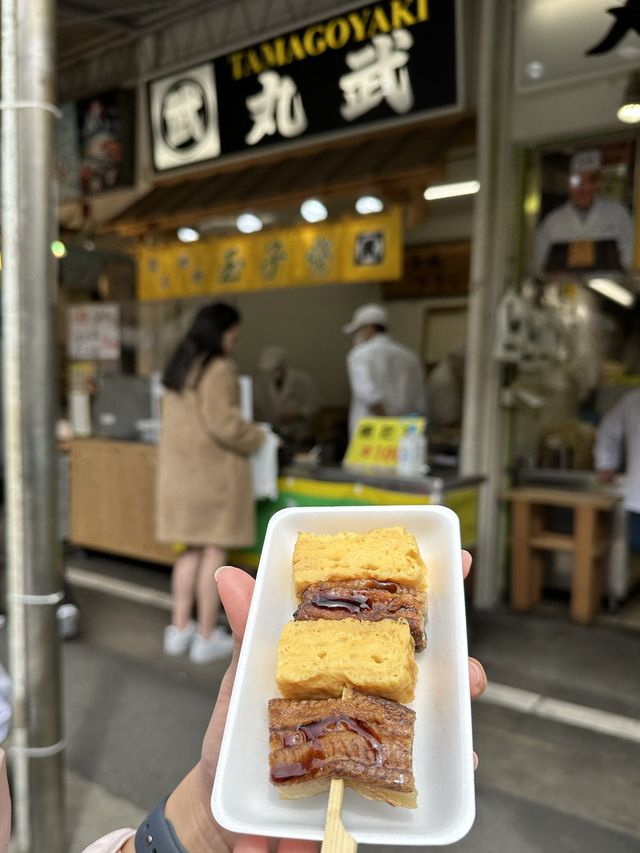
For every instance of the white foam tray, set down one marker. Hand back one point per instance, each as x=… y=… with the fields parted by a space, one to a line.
x=244 y=801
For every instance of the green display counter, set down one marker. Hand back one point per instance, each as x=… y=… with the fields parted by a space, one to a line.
x=341 y=487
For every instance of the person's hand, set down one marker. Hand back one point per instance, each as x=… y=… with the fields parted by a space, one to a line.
x=188 y=807
x=477 y=675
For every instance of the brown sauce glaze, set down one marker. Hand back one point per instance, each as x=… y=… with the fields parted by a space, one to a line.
x=314 y=756
x=354 y=603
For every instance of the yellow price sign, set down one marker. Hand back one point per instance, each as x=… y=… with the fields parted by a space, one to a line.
x=375 y=441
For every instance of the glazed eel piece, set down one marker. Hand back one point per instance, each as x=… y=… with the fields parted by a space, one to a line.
x=363 y=739
x=370 y=600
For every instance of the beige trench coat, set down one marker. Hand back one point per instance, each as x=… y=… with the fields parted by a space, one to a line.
x=204 y=489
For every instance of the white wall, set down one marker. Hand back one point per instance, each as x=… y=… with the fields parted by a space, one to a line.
x=407 y=318
x=444 y=225
x=568 y=111
x=308 y=323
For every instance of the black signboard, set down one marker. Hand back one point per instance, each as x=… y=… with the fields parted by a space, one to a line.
x=390 y=61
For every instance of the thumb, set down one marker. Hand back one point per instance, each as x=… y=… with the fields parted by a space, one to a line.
x=235 y=588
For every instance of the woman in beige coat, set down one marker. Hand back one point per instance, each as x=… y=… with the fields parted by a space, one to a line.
x=204 y=497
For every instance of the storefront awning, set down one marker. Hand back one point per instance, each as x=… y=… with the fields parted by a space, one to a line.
x=392 y=159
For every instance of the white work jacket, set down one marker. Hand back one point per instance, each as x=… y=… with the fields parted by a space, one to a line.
x=297 y=395
x=606 y=219
x=382 y=371
x=620 y=428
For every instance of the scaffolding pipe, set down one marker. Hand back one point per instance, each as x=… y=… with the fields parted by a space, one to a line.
x=34 y=576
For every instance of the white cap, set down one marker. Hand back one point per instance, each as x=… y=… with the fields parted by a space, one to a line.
x=585 y=161
x=367 y=315
x=271 y=358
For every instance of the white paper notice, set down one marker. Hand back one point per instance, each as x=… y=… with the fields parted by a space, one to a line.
x=94 y=332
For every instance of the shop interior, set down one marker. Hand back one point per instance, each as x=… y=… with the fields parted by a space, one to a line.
x=568 y=344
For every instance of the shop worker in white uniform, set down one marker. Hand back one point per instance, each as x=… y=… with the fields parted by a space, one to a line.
x=386 y=378
x=585 y=216
x=620 y=429
x=285 y=397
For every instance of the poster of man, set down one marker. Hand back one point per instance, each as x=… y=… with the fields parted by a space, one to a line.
x=105 y=125
x=586 y=223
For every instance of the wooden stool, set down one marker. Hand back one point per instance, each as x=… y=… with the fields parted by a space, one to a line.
x=529 y=539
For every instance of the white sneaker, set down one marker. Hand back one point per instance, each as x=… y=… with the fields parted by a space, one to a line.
x=219 y=645
x=178 y=640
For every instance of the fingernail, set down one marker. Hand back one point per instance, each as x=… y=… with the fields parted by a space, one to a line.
x=475 y=761
x=478 y=675
x=218 y=571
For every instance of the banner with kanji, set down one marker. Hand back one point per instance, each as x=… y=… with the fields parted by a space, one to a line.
x=355 y=249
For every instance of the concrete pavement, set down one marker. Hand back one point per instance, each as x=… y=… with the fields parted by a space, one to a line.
x=135 y=720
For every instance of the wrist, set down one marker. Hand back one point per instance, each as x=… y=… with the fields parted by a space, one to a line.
x=189 y=810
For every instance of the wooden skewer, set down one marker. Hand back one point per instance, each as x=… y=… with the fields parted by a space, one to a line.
x=336 y=838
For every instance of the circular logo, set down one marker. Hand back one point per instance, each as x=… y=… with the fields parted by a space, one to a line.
x=184 y=115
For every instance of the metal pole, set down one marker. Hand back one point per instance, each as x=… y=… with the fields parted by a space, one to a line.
x=493 y=234
x=34 y=577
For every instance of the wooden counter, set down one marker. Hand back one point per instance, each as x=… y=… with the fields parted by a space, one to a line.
x=112 y=495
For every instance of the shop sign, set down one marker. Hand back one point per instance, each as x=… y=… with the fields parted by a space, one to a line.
x=437 y=269
x=184 y=118
x=395 y=60
x=563 y=40
x=94 y=332
x=96 y=145
x=356 y=249
x=317 y=256
x=375 y=441
x=106 y=132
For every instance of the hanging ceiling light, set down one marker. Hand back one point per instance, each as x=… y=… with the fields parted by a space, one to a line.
x=451 y=190
x=313 y=210
x=612 y=290
x=249 y=223
x=188 y=235
x=629 y=109
x=369 y=204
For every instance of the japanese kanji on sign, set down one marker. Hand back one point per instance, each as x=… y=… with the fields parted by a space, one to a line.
x=395 y=60
x=355 y=249
x=375 y=441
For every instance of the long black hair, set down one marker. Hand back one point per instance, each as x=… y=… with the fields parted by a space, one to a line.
x=202 y=343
